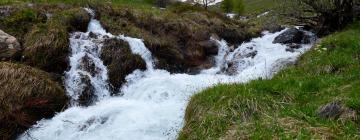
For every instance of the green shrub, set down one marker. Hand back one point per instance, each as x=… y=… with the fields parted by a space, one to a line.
x=227 y=6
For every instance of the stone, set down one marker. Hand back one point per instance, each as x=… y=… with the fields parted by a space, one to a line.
x=332 y=110
x=291 y=35
x=9 y=47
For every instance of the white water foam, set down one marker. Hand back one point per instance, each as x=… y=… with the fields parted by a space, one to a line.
x=154 y=101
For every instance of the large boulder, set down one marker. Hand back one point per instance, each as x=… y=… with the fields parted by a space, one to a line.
x=291 y=35
x=26 y=96
x=120 y=61
x=9 y=47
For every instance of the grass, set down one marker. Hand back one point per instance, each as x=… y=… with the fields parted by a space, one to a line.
x=286 y=106
x=26 y=96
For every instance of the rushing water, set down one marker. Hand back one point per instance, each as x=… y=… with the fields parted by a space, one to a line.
x=154 y=101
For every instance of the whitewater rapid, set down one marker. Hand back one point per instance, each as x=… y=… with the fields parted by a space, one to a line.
x=154 y=101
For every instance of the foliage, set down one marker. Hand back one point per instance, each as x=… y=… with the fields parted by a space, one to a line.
x=227 y=6
x=239 y=6
x=327 y=15
x=286 y=106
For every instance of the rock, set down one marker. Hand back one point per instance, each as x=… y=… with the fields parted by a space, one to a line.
x=27 y=95
x=291 y=35
x=87 y=95
x=292 y=47
x=9 y=47
x=120 y=61
x=5 y=11
x=272 y=28
x=210 y=47
x=88 y=65
x=331 y=111
x=240 y=60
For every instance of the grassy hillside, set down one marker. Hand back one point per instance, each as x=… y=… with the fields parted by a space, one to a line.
x=289 y=105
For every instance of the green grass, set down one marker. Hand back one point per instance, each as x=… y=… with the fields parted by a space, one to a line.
x=137 y=3
x=285 y=107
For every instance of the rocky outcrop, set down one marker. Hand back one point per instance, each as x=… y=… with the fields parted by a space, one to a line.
x=26 y=96
x=9 y=47
x=120 y=61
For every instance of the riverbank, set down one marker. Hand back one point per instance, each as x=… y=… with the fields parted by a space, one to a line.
x=318 y=98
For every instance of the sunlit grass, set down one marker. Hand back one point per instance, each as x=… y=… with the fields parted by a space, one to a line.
x=285 y=107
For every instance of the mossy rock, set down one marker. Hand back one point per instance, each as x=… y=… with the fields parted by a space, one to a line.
x=27 y=95
x=173 y=35
x=47 y=44
x=120 y=62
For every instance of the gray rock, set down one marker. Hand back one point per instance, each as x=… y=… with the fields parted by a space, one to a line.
x=331 y=111
x=9 y=47
x=291 y=35
x=5 y=11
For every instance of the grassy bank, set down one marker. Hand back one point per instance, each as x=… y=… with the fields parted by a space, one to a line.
x=287 y=106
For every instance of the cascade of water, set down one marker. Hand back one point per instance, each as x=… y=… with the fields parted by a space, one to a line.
x=87 y=77
x=137 y=46
x=153 y=103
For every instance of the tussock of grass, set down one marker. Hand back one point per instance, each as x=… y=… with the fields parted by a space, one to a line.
x=26 y=95
x=170 y=34
x=47 y=44
x=286 y=106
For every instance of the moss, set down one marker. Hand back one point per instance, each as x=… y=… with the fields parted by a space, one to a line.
x=47 y=44
x=27 y=96
x=286 y=107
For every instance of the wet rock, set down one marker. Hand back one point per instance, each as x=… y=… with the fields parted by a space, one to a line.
x=88 y=65
x=291 y=35
x=240 y=60
x=93 y=35
x=210 y=47
x=331 y=111
x=9 y=47
x=292 y=47
x=120 y=61
x=87 y=96
x=27 y=95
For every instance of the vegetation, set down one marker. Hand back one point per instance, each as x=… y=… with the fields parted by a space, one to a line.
x=239 y=7
x=26 y=96
x=227 y=6
x=287 y=106
x=47 y=45
x=327 y=15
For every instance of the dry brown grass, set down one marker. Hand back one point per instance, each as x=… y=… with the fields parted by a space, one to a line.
x=26 y=95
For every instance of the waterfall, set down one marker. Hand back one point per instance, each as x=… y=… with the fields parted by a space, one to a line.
x=87 y=77
x=154 y=101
